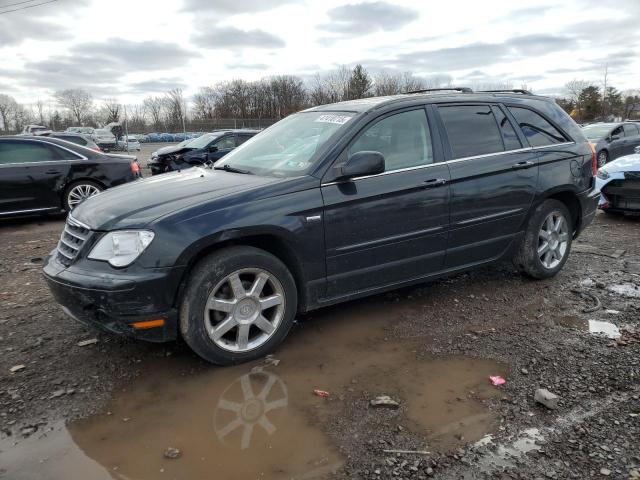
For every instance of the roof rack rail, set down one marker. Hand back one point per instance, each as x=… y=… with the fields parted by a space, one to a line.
x=508 y=90
x=456 y=89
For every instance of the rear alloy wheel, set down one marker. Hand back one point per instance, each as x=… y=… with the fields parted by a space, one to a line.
x=603 y=158
x=239 y=304
x=547 y=241
x=78 y=192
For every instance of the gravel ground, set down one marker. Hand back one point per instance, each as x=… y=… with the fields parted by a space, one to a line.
x=537 y=328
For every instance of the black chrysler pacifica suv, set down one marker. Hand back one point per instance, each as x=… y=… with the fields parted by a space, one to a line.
x=330 y=204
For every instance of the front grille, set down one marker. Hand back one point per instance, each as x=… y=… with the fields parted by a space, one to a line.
x=73 y=237
x=632 y=175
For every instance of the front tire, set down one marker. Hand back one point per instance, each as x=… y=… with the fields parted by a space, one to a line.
x=547 y=241
x=239 y=304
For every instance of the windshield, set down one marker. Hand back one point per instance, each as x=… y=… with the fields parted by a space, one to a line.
x=201 y=141
x=595 y=132
x=286 y=148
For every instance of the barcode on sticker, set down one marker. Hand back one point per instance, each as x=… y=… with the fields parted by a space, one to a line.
x=339 y=119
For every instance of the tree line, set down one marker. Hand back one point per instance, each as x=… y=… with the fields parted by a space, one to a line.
x=276 y=97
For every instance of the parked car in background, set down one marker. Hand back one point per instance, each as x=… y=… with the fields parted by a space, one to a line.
x=82 y=130
x=331 y=204
x=48 y=175
x=619 y=184
x=154 y=137
x=129 y=142
x=35 y=130
x=104 y=138
x=77 y=138
x=612 y=140
x=209 y=147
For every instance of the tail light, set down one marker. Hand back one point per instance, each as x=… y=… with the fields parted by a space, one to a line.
x=135 y=168
x=594 y=159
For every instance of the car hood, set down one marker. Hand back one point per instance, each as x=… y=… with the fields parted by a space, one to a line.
x=136 y=204
x=628 y=163
x=170 y=149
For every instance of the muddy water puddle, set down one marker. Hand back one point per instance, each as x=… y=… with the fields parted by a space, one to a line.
x=262 y=420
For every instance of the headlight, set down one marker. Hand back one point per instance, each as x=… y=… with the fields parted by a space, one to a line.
x=602 y=174
x=121 y=248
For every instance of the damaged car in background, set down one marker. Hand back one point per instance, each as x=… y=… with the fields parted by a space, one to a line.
x=199 y=151
x=619 y=184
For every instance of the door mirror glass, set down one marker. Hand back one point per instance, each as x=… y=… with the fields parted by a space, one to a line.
x=614 y=137
x=362 y=163
x=213 y=148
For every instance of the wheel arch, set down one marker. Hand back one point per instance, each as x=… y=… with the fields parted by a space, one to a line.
x=273 y=241
x=569 y=198
x=73 y=181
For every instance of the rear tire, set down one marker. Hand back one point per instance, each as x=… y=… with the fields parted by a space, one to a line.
x=239 y=304
x=547 y=241
x=79 y=191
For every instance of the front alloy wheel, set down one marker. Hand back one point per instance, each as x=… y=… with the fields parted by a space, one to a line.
x=239 y=304
x=244 y=310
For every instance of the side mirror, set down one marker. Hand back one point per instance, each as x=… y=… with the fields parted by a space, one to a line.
x=213 y=148
x=614 y=137
x=362 y=163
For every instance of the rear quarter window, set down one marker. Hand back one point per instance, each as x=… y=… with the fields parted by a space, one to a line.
x=538 y=131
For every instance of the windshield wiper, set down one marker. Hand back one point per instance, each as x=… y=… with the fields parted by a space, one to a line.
x=228 y=168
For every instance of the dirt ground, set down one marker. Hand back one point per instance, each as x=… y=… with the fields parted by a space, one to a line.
x=123 y=409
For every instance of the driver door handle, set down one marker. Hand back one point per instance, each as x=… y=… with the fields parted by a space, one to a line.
x=52 y=171
x=521 y=165
x=434 y=182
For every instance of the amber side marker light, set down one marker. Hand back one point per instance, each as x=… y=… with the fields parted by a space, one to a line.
x=148 y=324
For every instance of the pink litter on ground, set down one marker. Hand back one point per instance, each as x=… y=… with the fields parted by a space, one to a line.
x=321 y=393
x=497 y=379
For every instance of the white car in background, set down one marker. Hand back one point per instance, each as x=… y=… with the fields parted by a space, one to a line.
x=35 y=130
x=132 y=140
x=619 y=184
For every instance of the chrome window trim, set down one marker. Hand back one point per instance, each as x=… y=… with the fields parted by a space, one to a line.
x=79 y=157
x=455 y=160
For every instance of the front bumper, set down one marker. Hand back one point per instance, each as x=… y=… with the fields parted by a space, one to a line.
x=114 y=302
x=588 y=206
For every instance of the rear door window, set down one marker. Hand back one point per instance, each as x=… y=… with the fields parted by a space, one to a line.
x=472 y=130
x=226 y=143
x=241 y=138
x=404 y=139
x=27 y=152
x=630 y=130
x=536 y=128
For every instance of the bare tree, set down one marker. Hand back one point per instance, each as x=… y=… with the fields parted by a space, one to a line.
x=40 y=109
x=574 y=90
x=7 y=105
x=77 y=101
x=110 y=111
x=153 y=107
x=204 y=103
x=174 y=109
x=136 y=118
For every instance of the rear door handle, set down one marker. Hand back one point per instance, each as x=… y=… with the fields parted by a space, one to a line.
x=521 y=165
x=52 y=172
x=434 y=182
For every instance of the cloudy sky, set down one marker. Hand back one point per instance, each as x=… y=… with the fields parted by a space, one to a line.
x=130 y=49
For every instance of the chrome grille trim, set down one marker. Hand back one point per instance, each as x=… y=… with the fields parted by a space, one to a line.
x=71 y=241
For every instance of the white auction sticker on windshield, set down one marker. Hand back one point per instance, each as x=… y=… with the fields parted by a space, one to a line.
x=339 y=119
